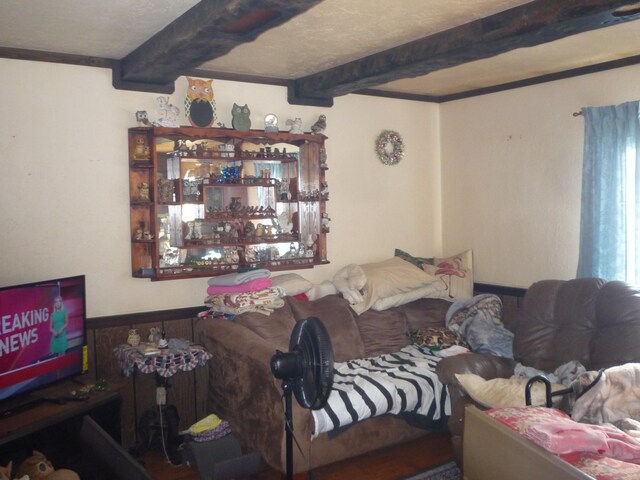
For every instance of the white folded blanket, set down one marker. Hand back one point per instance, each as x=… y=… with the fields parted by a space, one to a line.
x=239 y=278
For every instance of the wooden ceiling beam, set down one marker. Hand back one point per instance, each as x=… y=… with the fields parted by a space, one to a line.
x=527 y=25
x=208 y=30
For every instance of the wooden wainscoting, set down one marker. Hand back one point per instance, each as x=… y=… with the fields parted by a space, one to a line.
x=188 y=389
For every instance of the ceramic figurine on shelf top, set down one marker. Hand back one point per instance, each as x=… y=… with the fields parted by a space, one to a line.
x=199 y=105
x=296 y=125
x=241 y=117
x=271 y=123
x=142 y=118
x=168 y=113
x=320 y=125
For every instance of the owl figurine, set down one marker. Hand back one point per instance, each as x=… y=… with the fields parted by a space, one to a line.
x=142 y=118
x=320 y=125
x=241 y=119
x=199 y=105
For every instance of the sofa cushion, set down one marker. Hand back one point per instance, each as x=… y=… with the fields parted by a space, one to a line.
x=382 y=332
x=425 y=312
x=334 y=312
x=557 y=323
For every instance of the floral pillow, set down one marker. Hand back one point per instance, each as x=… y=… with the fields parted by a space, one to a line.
x=436 y=338
x=454 y=274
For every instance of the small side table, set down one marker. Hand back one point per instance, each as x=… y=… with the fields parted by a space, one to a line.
x=161 y=423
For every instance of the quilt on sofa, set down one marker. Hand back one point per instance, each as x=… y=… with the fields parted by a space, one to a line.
x=394 y=383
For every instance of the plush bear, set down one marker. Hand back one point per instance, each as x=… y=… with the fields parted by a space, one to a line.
x=37 y=467
x=5 y=472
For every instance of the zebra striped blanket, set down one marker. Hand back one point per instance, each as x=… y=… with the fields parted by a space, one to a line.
x=392 y=383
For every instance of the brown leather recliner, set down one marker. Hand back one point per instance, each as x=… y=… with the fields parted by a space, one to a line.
x=586 y=319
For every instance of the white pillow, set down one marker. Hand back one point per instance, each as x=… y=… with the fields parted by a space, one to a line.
x=388 y=278
x=430 y=290
x=292 y=283
x=503 y=392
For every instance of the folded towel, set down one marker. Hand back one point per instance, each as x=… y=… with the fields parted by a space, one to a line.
x=262 y=301
x=250 y=286
x=238 y=278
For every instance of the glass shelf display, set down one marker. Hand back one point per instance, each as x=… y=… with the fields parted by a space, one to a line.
x=210 y=201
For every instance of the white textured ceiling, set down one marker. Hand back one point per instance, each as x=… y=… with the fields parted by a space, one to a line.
x=338 y=31
x=330 y=34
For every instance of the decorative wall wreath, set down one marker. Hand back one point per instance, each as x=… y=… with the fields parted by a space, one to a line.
x=389 y=147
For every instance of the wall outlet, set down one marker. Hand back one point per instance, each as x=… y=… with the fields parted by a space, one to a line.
x=161 y=396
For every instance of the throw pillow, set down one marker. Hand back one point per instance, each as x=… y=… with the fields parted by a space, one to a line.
x=503 y=392
x=455 y=273
x=386 y=303
x=292 y=283
x=436 y=338
x=388 y=278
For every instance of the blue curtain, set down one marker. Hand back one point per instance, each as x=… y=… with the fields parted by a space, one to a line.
x=610 y=210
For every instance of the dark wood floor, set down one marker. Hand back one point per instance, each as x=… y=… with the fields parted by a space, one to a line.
x=388 y=464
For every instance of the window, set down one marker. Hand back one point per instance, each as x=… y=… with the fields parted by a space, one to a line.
x=610 y=210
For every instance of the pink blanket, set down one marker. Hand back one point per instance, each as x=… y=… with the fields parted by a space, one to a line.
x=562 y=436
x=250 y=286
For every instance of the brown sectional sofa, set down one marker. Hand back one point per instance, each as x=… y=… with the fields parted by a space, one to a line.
x=588 y=320
x=243 y=390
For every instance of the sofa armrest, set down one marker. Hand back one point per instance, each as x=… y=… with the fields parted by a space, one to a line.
x=486 y=366
x=243 y=390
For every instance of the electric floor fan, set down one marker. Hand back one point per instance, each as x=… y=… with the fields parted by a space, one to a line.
x=306 y=370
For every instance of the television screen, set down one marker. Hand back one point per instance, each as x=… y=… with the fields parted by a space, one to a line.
x=42 y=334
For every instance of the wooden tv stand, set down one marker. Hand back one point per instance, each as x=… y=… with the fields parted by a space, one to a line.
x=52 y=427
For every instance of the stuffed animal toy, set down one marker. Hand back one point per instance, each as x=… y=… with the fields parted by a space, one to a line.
x=5 y=472
x=350 y=282
x=37 y=467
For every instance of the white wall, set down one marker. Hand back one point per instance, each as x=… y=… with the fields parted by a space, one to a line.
x=64 y=180
x=512 y=167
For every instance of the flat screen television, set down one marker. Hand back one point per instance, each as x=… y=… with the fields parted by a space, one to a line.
x=42 y=337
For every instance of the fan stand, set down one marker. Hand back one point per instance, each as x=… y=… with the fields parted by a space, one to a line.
x=288 y=426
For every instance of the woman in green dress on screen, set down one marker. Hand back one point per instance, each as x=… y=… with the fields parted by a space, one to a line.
x=58 y=327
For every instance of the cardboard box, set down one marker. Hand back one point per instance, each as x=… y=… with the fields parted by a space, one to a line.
x=221 y=459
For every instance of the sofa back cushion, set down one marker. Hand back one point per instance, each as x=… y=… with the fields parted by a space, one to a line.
x=275 y=328
x=558 y=323
x=334 y=312
x=617 y=340
x=382 y=332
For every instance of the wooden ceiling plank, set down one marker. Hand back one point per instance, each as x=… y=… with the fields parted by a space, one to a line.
x=208 y=30
x=530 y=24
